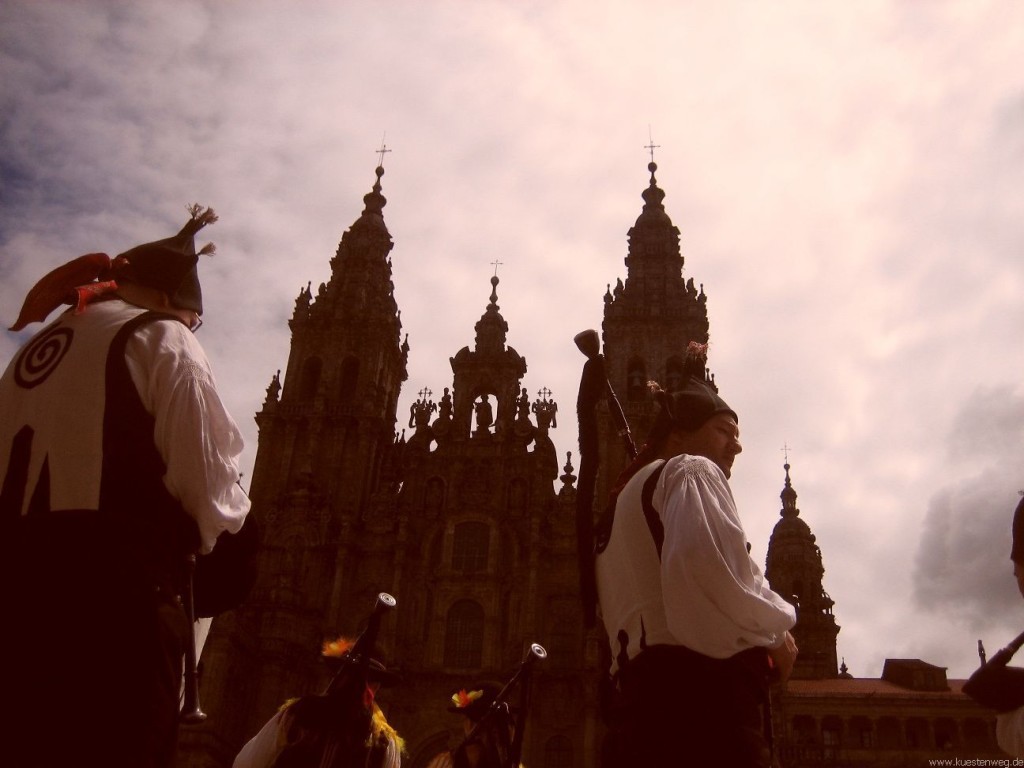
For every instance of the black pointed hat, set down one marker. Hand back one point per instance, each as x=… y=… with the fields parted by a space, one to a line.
x=169 y=265
x=697 y=400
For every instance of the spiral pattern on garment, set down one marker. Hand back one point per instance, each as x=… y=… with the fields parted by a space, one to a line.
x=41 y=356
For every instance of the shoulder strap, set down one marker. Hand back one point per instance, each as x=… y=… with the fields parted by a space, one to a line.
x=650 y=513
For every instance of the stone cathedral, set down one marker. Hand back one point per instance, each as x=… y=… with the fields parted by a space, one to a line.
x=463 y=509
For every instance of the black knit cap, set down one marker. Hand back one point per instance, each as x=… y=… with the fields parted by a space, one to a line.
x=1017 y=551
x=169 y=265
x=690 y=406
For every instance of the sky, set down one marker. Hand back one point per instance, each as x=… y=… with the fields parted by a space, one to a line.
x=846 y=178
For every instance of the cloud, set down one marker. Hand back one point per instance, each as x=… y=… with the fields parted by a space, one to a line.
x=962 y=569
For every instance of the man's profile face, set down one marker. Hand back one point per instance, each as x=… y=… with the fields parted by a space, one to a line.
x=1018 y=574
x=717 y=439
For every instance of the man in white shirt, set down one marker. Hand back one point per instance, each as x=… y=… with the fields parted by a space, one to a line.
x=694 y=629
x=118 y=461
x=328 y=729
x=494 y=730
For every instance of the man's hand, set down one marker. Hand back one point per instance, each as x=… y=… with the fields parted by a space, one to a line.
x=783 y=656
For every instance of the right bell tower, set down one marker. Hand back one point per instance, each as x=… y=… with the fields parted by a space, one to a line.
x=649 y=320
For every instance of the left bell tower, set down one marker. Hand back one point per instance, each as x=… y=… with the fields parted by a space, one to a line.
x=344 y=375
x=326 y=434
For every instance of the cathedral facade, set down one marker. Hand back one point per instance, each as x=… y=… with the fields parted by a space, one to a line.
x=463 y=510
x=468 y=522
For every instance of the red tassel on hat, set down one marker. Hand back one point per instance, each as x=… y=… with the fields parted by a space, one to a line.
x=87 y=294
x=58 y=287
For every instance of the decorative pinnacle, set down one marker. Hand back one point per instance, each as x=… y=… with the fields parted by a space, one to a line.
x=494 y=292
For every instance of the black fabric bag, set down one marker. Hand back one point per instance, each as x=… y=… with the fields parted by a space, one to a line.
x=224 y=577
x=997 y=687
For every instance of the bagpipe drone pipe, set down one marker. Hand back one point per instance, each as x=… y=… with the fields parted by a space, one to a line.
x=594 y=386
x=215 y=583
x=332 y=729
x=994 y=684
x=506 y=724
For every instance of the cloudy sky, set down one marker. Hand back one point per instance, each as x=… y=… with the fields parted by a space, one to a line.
x=846 y=178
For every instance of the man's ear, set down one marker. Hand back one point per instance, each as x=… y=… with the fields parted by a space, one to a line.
x=164 y=300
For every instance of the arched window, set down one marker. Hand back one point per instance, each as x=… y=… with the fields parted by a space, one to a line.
x=888 y=731
x=299 y=461
x=918 y=733
x=558 y=752
x=464 y=635
x=804 y=730
x=798 y=591
x=977 y=734
x=310 y=380
x=831 y=735
x=945 y=733
x=517 y=495
x=433 y=496
x=563 y=624
x=674 y=378
x=636 y=379
x=349 y=378
x=862 y=735
x=470 y=547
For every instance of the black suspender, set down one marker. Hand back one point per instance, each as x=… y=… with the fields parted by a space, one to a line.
x=650 y=513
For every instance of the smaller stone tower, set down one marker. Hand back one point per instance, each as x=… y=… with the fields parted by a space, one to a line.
x=794 y=569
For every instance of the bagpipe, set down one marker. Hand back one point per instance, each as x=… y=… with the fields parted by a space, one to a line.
x=191 y=712
x=214 y=583
x=506 y=727
x=594 y=386
x=333 y=729
x=994 y=684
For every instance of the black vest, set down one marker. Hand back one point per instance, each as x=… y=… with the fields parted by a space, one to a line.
x=137 y=540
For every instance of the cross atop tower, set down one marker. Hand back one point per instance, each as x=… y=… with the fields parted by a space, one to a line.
x=497 y=264
x=651 y=146
x=382 y=151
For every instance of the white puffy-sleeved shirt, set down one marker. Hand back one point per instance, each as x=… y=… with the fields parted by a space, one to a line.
x=197 y=439
x=1010 y=732
x=263 y=749
x=56 y=387
x=704 y=592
